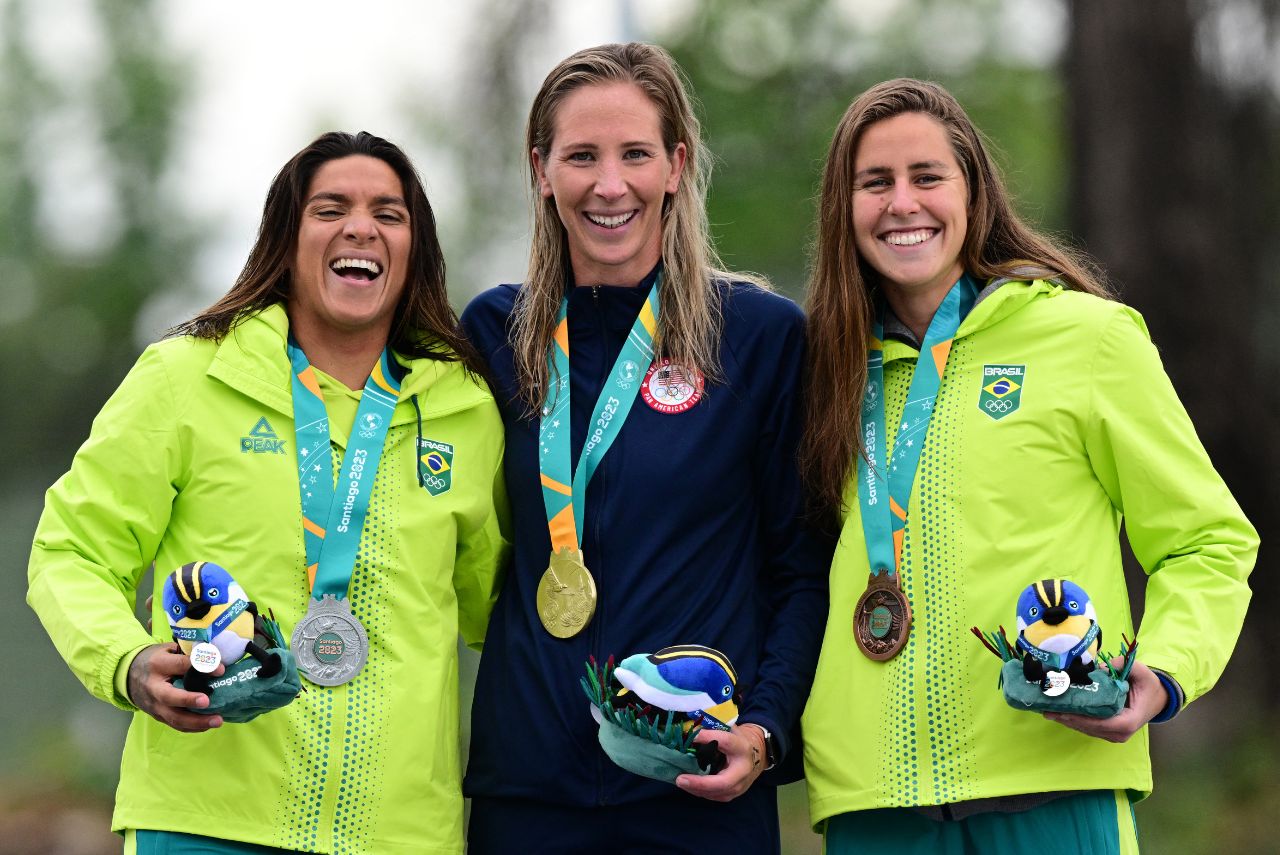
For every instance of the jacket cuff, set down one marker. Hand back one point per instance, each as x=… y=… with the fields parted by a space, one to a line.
x=120 y=680
x=1177 y=698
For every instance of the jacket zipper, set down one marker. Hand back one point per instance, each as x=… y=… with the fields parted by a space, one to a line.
x=601 y=374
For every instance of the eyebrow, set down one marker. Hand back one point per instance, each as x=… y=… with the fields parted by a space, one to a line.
x=588 y=146
x=884 y=170
x=343 y=199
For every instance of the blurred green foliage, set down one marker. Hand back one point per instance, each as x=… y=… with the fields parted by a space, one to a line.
x=773 y=78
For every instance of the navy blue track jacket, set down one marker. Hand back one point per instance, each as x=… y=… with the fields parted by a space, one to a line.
x=692 y=531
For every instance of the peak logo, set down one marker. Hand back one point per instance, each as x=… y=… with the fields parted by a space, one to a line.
x=261 y=440
x=1001 y=391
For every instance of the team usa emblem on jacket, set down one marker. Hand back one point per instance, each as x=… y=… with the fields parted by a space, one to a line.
x=671 y=388
x=1001 y=389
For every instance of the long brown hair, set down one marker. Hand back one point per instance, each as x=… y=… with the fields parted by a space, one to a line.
x=424 y=324
x=842 y=285
x=690 y=320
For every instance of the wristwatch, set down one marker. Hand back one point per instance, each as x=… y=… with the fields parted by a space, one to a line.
x=770 y=746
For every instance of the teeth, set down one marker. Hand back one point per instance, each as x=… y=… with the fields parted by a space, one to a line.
x=908 y=238
x=345 y=263
x=611 y=222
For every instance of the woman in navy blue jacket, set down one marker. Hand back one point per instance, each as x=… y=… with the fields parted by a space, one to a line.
x=654 y=490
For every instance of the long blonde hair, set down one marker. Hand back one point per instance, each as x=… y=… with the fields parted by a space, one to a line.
x=842 y=285
x=690 y=321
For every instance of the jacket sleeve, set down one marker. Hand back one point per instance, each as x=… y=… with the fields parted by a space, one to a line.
x=1183 y=525
x=101 y=527
x=793 y=582
x=482 y=554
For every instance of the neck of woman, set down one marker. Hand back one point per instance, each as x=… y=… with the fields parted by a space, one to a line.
x=348 y=358
x=914 y=309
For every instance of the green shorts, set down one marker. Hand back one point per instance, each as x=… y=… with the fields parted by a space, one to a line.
x=176 y=843
x=1094 y=823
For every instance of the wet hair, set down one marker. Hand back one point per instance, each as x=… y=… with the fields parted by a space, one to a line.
x=690 y=320
x=423 y=325
x=843 y=285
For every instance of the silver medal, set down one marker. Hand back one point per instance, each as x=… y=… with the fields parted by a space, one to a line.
x=329 y=642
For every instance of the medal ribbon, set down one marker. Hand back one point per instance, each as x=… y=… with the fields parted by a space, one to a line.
x=213 y=630
x=564 y=503
x=883 y=492
x=333 y=519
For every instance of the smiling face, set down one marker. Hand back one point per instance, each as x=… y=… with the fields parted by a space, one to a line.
x=608 y=174
x=910 y=205
x=352 y=253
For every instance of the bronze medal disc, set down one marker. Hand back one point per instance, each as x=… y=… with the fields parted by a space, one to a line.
x=882 y=618
x=566 y=594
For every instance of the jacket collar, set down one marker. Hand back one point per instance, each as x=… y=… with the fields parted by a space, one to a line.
x=252 y=359
x=997 y=301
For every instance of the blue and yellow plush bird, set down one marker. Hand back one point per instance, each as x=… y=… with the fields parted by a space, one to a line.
x=688 y=678
x=204 y=604
x=1058 y=630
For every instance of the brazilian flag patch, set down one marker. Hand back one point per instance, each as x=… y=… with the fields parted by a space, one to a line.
x=1001 y=389
x=435 y=465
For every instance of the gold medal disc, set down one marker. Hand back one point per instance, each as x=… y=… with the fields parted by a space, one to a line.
x=566 y=594
x=882 y=618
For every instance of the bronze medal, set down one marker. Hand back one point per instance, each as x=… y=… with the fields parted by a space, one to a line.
x=566 y=594
x=882 y=618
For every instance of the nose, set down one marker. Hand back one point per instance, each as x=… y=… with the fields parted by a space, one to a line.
x=359 y=226
x=902 y=201
x=198 y=609
x=609 y=182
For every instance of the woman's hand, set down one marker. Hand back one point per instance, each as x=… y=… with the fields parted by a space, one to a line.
x=1147 y=697
x=151 y=689
x=744 y=749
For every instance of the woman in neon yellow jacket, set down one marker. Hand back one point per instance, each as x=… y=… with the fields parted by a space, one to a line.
x=1039 y=418
x=340 y=316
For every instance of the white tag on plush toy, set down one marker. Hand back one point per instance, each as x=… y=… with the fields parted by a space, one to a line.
x=205 y=658
x=1055 y=683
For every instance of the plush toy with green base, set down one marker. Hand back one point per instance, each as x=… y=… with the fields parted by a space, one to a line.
x=214 y=622
x=1055 y=664
x=650 y=707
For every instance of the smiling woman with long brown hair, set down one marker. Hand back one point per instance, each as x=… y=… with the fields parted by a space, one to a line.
x=335 y=346
x=982 y=417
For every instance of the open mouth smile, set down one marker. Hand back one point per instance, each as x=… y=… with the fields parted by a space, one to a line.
x=909 y=238
x=360 y=269
x=613 y=221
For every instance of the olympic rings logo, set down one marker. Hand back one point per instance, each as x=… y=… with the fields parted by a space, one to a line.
x=998 y=406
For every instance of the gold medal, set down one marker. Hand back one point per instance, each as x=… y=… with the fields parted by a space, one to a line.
x=882 y=618
x=566 y=594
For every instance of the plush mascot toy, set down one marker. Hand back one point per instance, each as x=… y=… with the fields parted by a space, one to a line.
x=214 y=622
x=651 y=705
x=1055 y=665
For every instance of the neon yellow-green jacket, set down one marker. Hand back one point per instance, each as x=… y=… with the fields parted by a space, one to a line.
x=1010 y=489
x=193 y=459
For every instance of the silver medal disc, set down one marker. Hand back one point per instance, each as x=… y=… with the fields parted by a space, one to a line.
x=329 y=642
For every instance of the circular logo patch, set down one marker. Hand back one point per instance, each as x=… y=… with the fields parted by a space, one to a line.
x=329 y=647
x=880 y=622
x=671 y=388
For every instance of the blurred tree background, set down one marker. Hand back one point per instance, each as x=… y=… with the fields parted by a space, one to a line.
x=1148 y=134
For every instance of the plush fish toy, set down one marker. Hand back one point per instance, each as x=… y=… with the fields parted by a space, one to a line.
x=650 y=707
x=1058 y=630
x=1055 y=664
x=213 y=622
